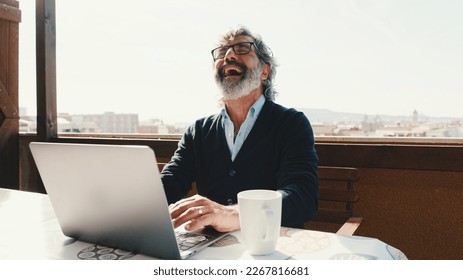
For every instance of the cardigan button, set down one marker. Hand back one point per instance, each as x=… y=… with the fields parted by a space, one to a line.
x=232 y=173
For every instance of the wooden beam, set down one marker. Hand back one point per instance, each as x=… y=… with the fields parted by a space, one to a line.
x=9 y=10
x=383 y=156
x=10 y=16
x=7 y=106
x=391 y=156
x=12 y=3
x=8 y=109
x=47 y=126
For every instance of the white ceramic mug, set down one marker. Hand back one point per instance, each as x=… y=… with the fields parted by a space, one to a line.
x=260 y=220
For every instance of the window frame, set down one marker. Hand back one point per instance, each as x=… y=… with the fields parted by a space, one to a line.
x=442 y=154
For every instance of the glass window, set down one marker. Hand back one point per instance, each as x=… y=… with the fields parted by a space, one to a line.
x=356 y=68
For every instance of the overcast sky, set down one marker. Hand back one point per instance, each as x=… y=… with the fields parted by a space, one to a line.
x=153 y=57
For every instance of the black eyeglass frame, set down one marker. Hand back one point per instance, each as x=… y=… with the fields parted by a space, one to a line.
x=233 y=48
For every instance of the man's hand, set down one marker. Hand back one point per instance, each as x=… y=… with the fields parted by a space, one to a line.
x=200 y=211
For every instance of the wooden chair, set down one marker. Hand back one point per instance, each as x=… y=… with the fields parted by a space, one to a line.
x=344 y=196
x=337 y=198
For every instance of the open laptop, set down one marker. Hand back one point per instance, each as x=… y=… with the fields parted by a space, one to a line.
x=113 y=195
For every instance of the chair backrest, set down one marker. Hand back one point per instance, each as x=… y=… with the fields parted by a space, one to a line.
x=337 y=194
x=161 y=166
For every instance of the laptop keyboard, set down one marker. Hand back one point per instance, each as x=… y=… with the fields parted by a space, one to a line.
x=187 y=240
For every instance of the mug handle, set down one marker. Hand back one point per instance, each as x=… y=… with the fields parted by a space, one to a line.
x=269 y=234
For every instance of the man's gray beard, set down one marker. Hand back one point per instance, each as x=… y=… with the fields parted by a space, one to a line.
x=236 y=89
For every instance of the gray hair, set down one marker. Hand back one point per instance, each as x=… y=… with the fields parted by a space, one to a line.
x=263 y=52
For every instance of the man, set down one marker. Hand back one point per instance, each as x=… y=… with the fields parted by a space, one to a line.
x=253 y=143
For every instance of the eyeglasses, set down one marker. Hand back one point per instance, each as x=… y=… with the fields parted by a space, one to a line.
x=239 y=49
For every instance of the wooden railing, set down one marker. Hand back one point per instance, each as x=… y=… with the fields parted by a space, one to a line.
x=410 y=194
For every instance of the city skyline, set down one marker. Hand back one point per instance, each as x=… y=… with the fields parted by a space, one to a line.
x=324 y=123
x=375 y=57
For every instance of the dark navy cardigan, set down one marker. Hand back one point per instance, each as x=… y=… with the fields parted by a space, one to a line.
x=278 y=154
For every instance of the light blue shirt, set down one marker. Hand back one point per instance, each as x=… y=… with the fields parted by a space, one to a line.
x=234 y=144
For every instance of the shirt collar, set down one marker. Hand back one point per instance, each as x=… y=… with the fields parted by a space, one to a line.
x=253 y=111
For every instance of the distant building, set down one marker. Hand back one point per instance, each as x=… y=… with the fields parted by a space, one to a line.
x=108 y=122
x=152 y=126
x=27 y=126
x=369 y=126
x=415 y=116
x=323 y=130
x=74 y=124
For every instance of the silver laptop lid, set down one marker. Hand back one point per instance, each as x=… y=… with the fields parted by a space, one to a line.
x=108 y=194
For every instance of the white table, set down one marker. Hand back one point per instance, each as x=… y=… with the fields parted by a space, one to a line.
x=30 y=230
